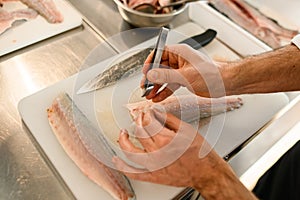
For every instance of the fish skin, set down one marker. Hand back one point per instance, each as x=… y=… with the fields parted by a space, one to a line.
x=188 y=107
x=121 y=70
x=254 y=21
x=72 y=130
x=8 y=18
x=46 y=8
x=133 y=3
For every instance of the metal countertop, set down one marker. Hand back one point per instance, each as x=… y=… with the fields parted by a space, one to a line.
x=24 y=173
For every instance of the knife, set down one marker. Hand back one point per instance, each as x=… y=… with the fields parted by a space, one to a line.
x=134 y=63
x=157 y=54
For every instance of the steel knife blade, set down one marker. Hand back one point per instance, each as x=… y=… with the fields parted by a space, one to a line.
x=134 y=63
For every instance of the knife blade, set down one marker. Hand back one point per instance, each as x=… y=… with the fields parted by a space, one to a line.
x=157 y=54
x=134 y=63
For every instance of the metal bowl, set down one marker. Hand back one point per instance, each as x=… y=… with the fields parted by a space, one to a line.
x=141 y=19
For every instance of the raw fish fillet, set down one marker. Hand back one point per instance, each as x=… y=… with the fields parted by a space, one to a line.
x=255 y=22
x=188 y=107
x=8 y=18
x=155 y=3
x=87 y=147
x=46 y=8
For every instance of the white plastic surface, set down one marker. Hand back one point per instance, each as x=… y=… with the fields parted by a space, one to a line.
x=29 y=32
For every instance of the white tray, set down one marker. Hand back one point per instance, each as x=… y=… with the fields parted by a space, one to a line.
x=38 y=29
x=231 y=34
x=243 y=42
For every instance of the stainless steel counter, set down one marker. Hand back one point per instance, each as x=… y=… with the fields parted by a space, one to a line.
x=24 y=173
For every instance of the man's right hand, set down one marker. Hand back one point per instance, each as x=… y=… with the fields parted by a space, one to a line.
x=183 y=66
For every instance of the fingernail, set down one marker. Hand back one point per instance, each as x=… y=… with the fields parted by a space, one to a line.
x=153 y=75
x=123 y=131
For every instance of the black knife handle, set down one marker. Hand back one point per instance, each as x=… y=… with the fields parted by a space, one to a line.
x=201 y=40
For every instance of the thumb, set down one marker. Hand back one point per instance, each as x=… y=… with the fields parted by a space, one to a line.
x=161 y=76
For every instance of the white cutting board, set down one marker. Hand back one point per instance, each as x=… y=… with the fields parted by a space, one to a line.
x=286 y=13
x=239 y=124
x=29 y=32
x=230 y=33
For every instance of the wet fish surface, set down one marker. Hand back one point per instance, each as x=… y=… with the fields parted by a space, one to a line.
x=121 y=70
x=188 y=107
x=46 y=8
x=156 y=3
x=252 y=20
x=87 y=147
x=8 y=18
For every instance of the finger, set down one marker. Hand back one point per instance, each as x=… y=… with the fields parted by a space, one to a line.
x=133 y=153
x=158 y=94
x=146 y=67
x=156 y=127
x=146 y=141
x=142 y=83
x=159 y=134
x=162 y=75
x=153 y=92
x=170 y=57
x=147 y=63
x=126 y=144
x=166 y=92
x=170 y=121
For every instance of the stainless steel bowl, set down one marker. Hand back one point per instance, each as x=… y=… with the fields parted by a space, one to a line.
x=141 y=19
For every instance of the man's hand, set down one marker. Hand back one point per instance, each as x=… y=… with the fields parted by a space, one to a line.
x=173 y=153
x=183 y=66
x=169 y=152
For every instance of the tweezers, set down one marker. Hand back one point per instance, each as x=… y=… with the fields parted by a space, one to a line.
x=156 y=59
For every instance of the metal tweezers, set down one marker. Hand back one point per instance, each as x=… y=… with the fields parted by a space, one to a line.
x=155 y=63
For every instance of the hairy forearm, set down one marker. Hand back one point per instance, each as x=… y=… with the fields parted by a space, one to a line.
x=275 y=71
x=220 y=182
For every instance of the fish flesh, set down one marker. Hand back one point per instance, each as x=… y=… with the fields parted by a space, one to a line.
x=252 y=20
x=87 y=147
x=134 y=4
x=8 y=18
x=45 y=8
x=188 y=107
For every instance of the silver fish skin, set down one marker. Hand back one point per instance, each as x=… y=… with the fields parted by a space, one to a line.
x=254 y=21
x=124 y=69
x=87 y=147
x=188 y=107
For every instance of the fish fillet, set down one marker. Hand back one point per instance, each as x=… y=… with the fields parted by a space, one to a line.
x=8 y=18
x=156 y=3
x=87 y=147
x=188 y=107
x=254 y=21
x=46 y=8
